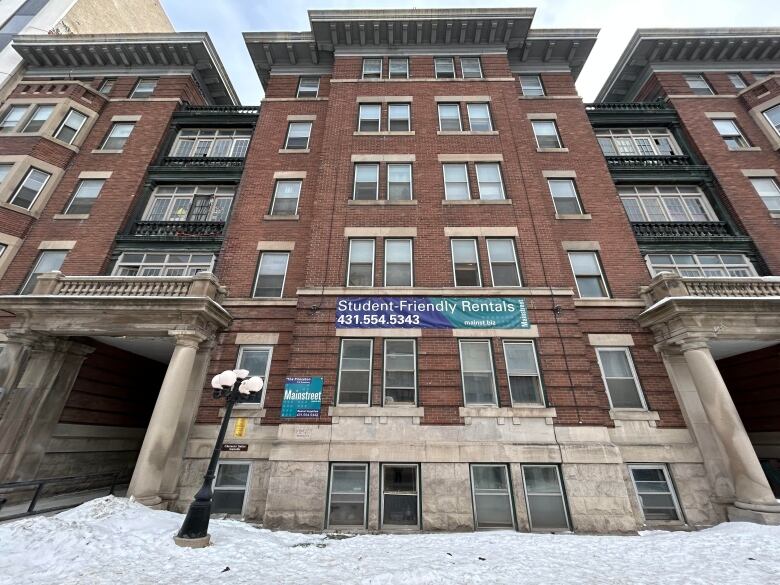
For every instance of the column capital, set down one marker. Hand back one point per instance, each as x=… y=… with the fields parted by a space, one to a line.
x=692 y=344
x=24 y=337
x=188 y=337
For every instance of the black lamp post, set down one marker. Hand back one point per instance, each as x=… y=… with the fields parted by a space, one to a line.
x=234 y=386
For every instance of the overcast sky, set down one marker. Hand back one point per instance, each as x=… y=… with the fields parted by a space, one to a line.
x=225 y=20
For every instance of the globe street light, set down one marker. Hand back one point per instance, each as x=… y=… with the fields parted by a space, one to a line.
x=234 y=386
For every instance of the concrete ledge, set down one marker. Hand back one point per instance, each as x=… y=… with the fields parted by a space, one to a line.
x=605 y=302
x=500 y=414
x=573 y=216
x=477 y=202
x=434 y=292
x=756 y=517
x=381 y=202
x=627 y=414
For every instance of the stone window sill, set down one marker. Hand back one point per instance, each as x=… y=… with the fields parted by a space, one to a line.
x=620 y=415
x=245 y=410
x=552 y=150
x=106 y=151
x=573 y=216
x=477 y=202
x=71 y=216
x=515 y=413
x=467 y=133
x=774 y=214
x=609 y=303
x=18 y=209
x=385 y=133
x=746 y=149
x=382 y=413
x=281 y=217
x=294 y=150
x=260 y=302
x=361 y=202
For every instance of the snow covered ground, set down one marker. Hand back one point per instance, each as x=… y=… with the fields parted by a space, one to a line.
x=117 y=541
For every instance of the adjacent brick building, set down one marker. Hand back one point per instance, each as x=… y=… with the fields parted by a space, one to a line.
x=439 y=158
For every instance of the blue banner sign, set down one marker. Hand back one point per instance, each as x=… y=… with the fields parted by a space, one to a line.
x=302 y=397
x=431 y=312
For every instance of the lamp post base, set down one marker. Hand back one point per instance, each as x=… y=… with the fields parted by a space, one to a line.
x=193 y=542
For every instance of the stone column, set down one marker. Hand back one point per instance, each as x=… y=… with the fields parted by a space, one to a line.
x=750 y=484
x=36 y=404
x=13 y=360
x=161 y=434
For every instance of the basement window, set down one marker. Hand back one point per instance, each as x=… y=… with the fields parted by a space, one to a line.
x=230 y=487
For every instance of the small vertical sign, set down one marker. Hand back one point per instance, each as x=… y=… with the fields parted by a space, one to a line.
x=240 y=429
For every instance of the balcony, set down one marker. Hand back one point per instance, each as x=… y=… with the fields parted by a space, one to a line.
x=657 y=168
x=178 y=229
x=213 y=109
x=204 y=168
x=681 y=229
x=669 y=285
x=644 y=162
x=628 y=107
x=192 y=162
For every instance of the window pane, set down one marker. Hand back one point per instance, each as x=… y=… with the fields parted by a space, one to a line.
x=286 y=198
x=456 y=186
x=47 y=262
x=229 y=475
x=444 y=68
x=470 y=67
x=400 y=495
x=355 y=371
x=369 y=117
x=615 y=364
x=489 y=180
x=366 y=181
x=347 y=495
x=531 y=85
x=270 y=274
x=398 y=263
x=308 y=86
x=477 y=371
x=464 y=253
x=227 y=502
x=298 y=135
x=38 y=119
x=449 y=118
x=479 y=118
x=118 y=136
x=12 y=117
x=584 y=263
x=399 y=68
x=545 y=499
x=503 y=265
x=86 y=194
x=399 y=177
x=398 y=117
x=546 y=134
x=28 y=191
x=254 y=360
x=655 y=494
x=372 y=68
x=400 y=370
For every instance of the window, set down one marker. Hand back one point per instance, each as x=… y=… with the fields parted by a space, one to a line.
x=637 y=142
x=399 y=182
x=3 y=249
x=162 y=264
x=702 y=265
x=230 y=485
x=29 y=189
x=398 y=262
x=731 y=134
x=656 y=493
x=546 y=134
x=492 y=497
x=737 y=81
x=204 y=143
x=190 y=203
x=620 y=379
x=470 y=67
x=768 y=190
x=372 y=68
x=144 y=88
x=761 y=75
x=308 y=87
x=48 y=261
x=456 y=182
x=399 y=68
x=773 y=117
x=38 y=118
x=368 y=117
x=366 y=185
x=489 y=181
x=449 y=118
x=399 y=117
x=257 y=360
x=117 y=136
x=663 y=203
x=13 y=116
x=70 y=126
x=444 y=67
x=544 y=498
x=348 y=491
x=286 y=196
x=479 y=118
x=355 y=362
x=271 y=273
x=588 y=274
x=360 y=269
x=522 y=369
x=5 y=168
x=564 y=196
x=85 y=196
x=503 y=262
x=298 y=136
x=400 y=373
x=476 y=367
x=400 y=495
x=106 y=86
x=465 y=262
x=531 y=85
x=698 y=84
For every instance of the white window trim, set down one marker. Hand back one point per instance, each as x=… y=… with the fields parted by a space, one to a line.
x=411 y=259
x=460 y=117
x=601 y=274
x=436 y=68
x=284 y=278
x=307 y=78
x=382 y=524
x=555 y=127
x=365 y=492
x=381 y=67
x=541 y=85
x=265 y=375
x=510 y=495
x=289 y=129
x=514 y=255
x=461 y=342
x=370 y=371
x=77 y=130
x=452 y=256
x=378 y=118
x=408 y=117
x=214 y=487
x=78 y=188
x=411 y=181
x=573 y=182
x=479 y=165
x=384 y=371
x=373 y=259
x=21 y=184
x=672 y=490
x=444 y=176
x=479 y=65
x=355 y=181
x=389 y=68
x=542 y=398
x=627 y=352
x=561 y=491
x=489 y=116
x=297 y=199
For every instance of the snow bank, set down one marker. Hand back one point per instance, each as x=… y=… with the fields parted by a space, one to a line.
x=117 y=541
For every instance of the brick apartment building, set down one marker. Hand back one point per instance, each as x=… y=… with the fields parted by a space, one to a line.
x=526 y=312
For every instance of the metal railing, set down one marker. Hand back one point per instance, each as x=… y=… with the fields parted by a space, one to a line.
x=221 y=109
x=668 y=284
x=179 y=228
x=108 y=481
x=675 y=160
x=680 y=229
x=628 y=106
x=191 y=162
